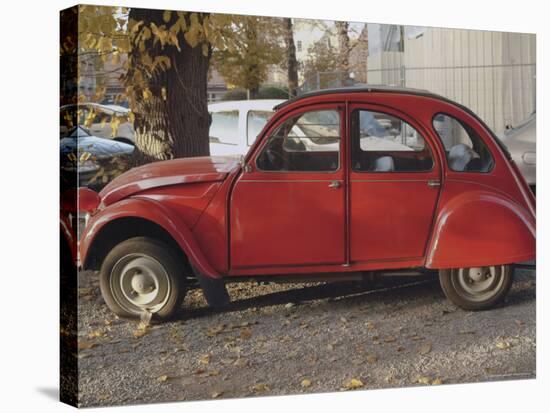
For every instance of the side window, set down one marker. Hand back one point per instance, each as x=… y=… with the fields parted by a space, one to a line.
x=464 y=148
x=307 y=142
x=225 y=127
x=385 y=143
x=255 y=122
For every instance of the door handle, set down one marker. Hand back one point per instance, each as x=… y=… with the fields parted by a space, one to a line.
x=335 y=184
x=432 y=183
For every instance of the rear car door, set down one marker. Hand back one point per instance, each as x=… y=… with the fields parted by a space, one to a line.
x=394 y=185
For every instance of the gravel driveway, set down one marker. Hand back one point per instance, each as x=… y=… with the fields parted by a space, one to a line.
x=303 y=338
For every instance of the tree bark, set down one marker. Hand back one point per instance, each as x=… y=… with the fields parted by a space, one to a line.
x=171 y=118
x=343 y=45
x=292 y=63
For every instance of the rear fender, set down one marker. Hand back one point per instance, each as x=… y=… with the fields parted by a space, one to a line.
x=156 y=213
x=480 y=228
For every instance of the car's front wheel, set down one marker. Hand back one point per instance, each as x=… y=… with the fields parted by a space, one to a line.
x=142 y=274
x=476 y=288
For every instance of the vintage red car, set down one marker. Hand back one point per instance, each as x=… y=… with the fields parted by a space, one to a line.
x=339 y=184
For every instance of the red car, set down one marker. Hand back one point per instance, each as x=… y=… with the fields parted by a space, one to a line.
x=339 y=184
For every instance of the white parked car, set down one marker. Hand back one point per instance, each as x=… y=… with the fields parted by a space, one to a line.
x=104 y=121
x=236 y=124
x=521 y=142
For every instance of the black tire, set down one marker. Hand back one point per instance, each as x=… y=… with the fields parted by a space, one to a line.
x=166 y=270
x=458 y=286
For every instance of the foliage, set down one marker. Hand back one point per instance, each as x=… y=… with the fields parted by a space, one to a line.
x=322 y=57
x=252 y=44
x=265 y=92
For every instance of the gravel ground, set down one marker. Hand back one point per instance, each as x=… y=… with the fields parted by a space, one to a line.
x=303 y=338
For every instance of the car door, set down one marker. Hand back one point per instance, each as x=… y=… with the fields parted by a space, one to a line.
x=287 y=207
x=394 y=185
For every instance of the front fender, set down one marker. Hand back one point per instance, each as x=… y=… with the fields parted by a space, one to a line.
x=156 y=213
x=481 y=228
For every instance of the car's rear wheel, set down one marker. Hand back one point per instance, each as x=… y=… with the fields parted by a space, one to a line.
x=141 y=275
x=476 y=288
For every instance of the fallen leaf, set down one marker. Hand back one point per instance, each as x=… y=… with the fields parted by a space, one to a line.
x=260 y=387
x=353 y=384
x=305 y=383
x=423 y=379
x=246 y=333
x=437 y=381
x=343 y=319
x=216 y=394
x=162 y=379
x=425 y=348
x=140 y=332
x=389 y=339
x=214 y=331
x=370 y=325
x=289 y=305
x=400 y=349
x=240 y=362
x=85 y=345
x=372 y=358
x=96 y=334
x=503 y=345
x=205 y=359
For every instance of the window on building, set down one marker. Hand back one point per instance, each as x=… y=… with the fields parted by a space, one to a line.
x=464 y=148
x=299 y=45
x=385 y=143
x=307 y=142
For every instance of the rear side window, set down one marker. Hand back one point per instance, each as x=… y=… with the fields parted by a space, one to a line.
x=464 y=148
x=306 y=142
x=384 y=143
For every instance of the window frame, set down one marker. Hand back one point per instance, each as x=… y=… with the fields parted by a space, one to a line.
x=462 y=123
x=401 y=118
x=263 y=141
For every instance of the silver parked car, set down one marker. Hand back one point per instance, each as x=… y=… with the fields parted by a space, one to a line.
x=521 y=142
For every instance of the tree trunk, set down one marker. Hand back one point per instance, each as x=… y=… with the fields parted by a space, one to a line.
x=292 y=63
x=171 y=118
x=343 y=45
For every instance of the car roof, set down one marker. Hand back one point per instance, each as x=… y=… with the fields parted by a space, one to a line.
x=254 y=104
x=362 y=89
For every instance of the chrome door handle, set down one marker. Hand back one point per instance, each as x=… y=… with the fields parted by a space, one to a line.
x=432 y=183
x=335 y=184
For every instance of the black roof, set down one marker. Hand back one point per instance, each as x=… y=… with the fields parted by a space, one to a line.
x=363 y=89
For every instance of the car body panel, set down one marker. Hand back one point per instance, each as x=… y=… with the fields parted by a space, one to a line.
x=253 y=222
x=480 y=227
x=167 y=173
x=155 y=212
x=521 y=142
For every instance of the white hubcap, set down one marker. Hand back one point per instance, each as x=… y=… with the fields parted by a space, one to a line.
x=139 y=282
